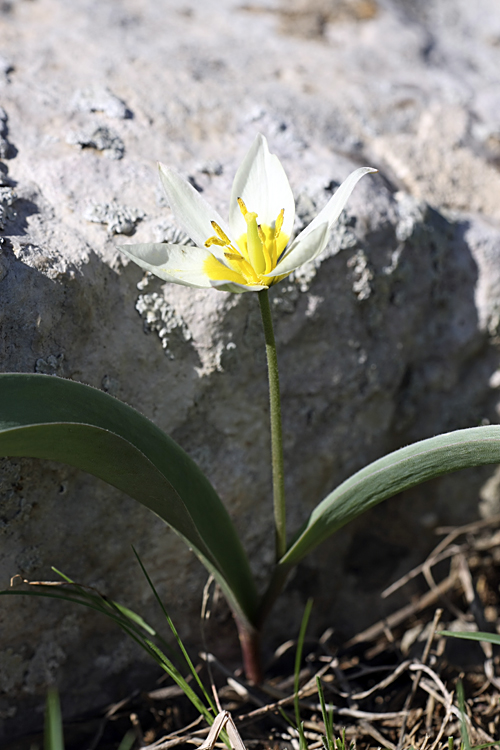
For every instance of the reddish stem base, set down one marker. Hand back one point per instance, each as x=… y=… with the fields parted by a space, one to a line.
x=250 y=651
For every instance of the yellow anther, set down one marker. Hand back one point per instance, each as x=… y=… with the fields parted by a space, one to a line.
x=233 y=256
x=243 y=208
x=215 y=241
x=261 y=234
x=279 y=223
x=221 y=234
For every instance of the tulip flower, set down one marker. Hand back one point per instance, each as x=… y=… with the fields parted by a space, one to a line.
x=254 y=250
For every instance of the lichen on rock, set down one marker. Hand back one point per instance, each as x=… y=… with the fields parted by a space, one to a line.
x=161 y=317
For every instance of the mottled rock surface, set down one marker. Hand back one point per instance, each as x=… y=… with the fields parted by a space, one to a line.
x=391 y=336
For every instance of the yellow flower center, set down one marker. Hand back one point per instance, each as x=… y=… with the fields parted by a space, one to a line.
x=257 y=252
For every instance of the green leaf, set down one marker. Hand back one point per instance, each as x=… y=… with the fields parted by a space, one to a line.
x=468 y=636
x=390 y=475
x=42 y=416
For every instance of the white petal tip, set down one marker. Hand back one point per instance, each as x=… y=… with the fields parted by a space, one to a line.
x=361 y=171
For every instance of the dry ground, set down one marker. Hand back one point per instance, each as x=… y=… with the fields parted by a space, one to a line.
x=392 y=686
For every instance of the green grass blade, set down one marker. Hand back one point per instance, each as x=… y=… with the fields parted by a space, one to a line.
x=463 y=724
x=174 y=673
x=127 y=740
x=53 y=732
x=46 y=417
x=298 y=659
x=134 y=617
x=93 y=594
x=90 y=598
x=285 y=717
x=327 y=718
x=485 y=637
x=341 y=744
x=302 y=737
x=130 y=628
x=91 y=603
x=172 y=627
x=390 y=475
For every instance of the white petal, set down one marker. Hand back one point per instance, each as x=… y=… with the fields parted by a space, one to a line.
x=303 y=250
x=191 y=210
x=263 y=186
x=335 y=205
x=232 y=286
x=179 y=264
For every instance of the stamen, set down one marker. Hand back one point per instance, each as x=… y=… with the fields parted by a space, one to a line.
x=279 y=223
x=243 y=208
x=242 y=266
x=221 y=234
x=215 y=241
x=262 y=236
x=266 y=250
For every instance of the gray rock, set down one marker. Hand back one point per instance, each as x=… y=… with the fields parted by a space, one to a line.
x=118 y=219
x=101 y=138
x=161 y=317
x=7 y=199
x=391 y=335
x=53 y=365
x=6 y=67
x=99 y=99
x=6 y=149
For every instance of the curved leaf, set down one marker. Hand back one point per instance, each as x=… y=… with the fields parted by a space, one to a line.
x=42 y=416
x=390 y=475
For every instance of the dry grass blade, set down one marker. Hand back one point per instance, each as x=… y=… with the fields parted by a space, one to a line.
x=392 y=621
x=408 y=702
x=432 y=560
x=223 y=720
x=382 y=684
x=373 y=732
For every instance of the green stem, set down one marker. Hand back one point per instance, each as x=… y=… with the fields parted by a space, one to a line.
x=276 y=431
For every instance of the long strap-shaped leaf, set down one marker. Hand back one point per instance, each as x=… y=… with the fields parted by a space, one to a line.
x=390 y=475
x=43 y=416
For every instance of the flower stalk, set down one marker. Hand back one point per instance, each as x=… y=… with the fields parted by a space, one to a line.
x=276 y=428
